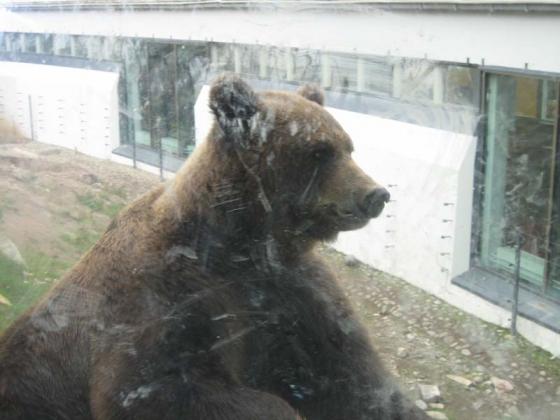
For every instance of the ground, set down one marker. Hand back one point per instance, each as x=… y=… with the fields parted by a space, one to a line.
x=54 y=204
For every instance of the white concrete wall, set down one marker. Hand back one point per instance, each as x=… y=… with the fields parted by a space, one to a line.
x=420 y=166
x=203 y=117
x=513 y=40
x=73 y=108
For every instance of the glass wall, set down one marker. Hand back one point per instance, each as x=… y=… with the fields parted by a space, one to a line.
x=160 y=81
x=519 y=199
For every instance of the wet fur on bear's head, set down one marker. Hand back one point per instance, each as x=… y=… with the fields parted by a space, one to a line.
x=275 y=165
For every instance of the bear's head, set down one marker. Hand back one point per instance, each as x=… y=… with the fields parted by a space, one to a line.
x=283 y=166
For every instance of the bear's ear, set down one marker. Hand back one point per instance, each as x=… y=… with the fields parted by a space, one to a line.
x=232 y=101
x=313 y=93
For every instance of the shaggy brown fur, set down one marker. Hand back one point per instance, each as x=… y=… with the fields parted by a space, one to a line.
x=204 y=299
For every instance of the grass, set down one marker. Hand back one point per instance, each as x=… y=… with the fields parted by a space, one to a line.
x=24 y=286
x=540 y=357
x=101 y=202
x=6 y=203
x=82 y=239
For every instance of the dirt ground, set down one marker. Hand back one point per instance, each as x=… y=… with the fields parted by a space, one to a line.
x=54 y=204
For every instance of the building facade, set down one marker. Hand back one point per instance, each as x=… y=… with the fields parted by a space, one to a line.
x=453 y=106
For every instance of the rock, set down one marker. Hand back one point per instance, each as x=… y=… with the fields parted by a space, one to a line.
x=401 y=352
x=558 y=391
x=384 y=310
x=530 y=387
x=11 y=251
x=436 y=415
x=477 y=380
x=351 y=261
x=90 y=179
x=542 y=373
x=478 y=404
x=15 y=155
x=460 y=380
x=501 y=385
x=53 y=151
x=4 y=300
x=436 y=406
x=466 y=352
x=429 y=393
x=421 y=405
x=514 y=412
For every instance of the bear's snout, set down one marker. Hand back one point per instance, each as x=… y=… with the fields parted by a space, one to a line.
x=374 y=201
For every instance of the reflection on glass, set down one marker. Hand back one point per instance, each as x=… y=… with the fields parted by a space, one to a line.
x=136 y=71
x=29 y=44
x=378 y=76
x=461 y=86
x=417 y=79
x=61 y=44
x=344 y=72
x=518 y=178
x=307 y=66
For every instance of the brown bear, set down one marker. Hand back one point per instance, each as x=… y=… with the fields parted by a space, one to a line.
x=205 y=298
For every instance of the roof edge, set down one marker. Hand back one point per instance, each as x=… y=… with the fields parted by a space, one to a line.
x=511 y=6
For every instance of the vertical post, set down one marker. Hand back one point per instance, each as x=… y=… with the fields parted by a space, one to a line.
x=237 y=59
x=325 y=70
x=214 y=58
x=360 y=74
x=39 y=44
x=438 y=85
x=73 y=48
x=160 y=154
x=515 y=303
x=263 y=62
x=57 y=44
x=290 y=65
x=397 y=79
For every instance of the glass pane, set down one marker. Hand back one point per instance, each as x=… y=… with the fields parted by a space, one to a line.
x=415 y=79
x=137 y=84
x=307 y=66
x=221 y=58
x=29 y=43
x=162 y=64
x=193 y=66
x=79 y=46
x=61 y=45
x=45 y=44
x=462 y=86
x=378 y=76
x=276 y=62
x=343 y=72
x=518 y=187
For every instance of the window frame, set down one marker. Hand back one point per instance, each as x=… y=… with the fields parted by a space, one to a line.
x=546 y=290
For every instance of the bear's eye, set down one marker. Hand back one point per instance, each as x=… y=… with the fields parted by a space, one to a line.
x=322 y=152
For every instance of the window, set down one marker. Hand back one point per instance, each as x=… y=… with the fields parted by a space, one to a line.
x=520 y=178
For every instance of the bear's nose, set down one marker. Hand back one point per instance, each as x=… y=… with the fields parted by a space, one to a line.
x=374 y=201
